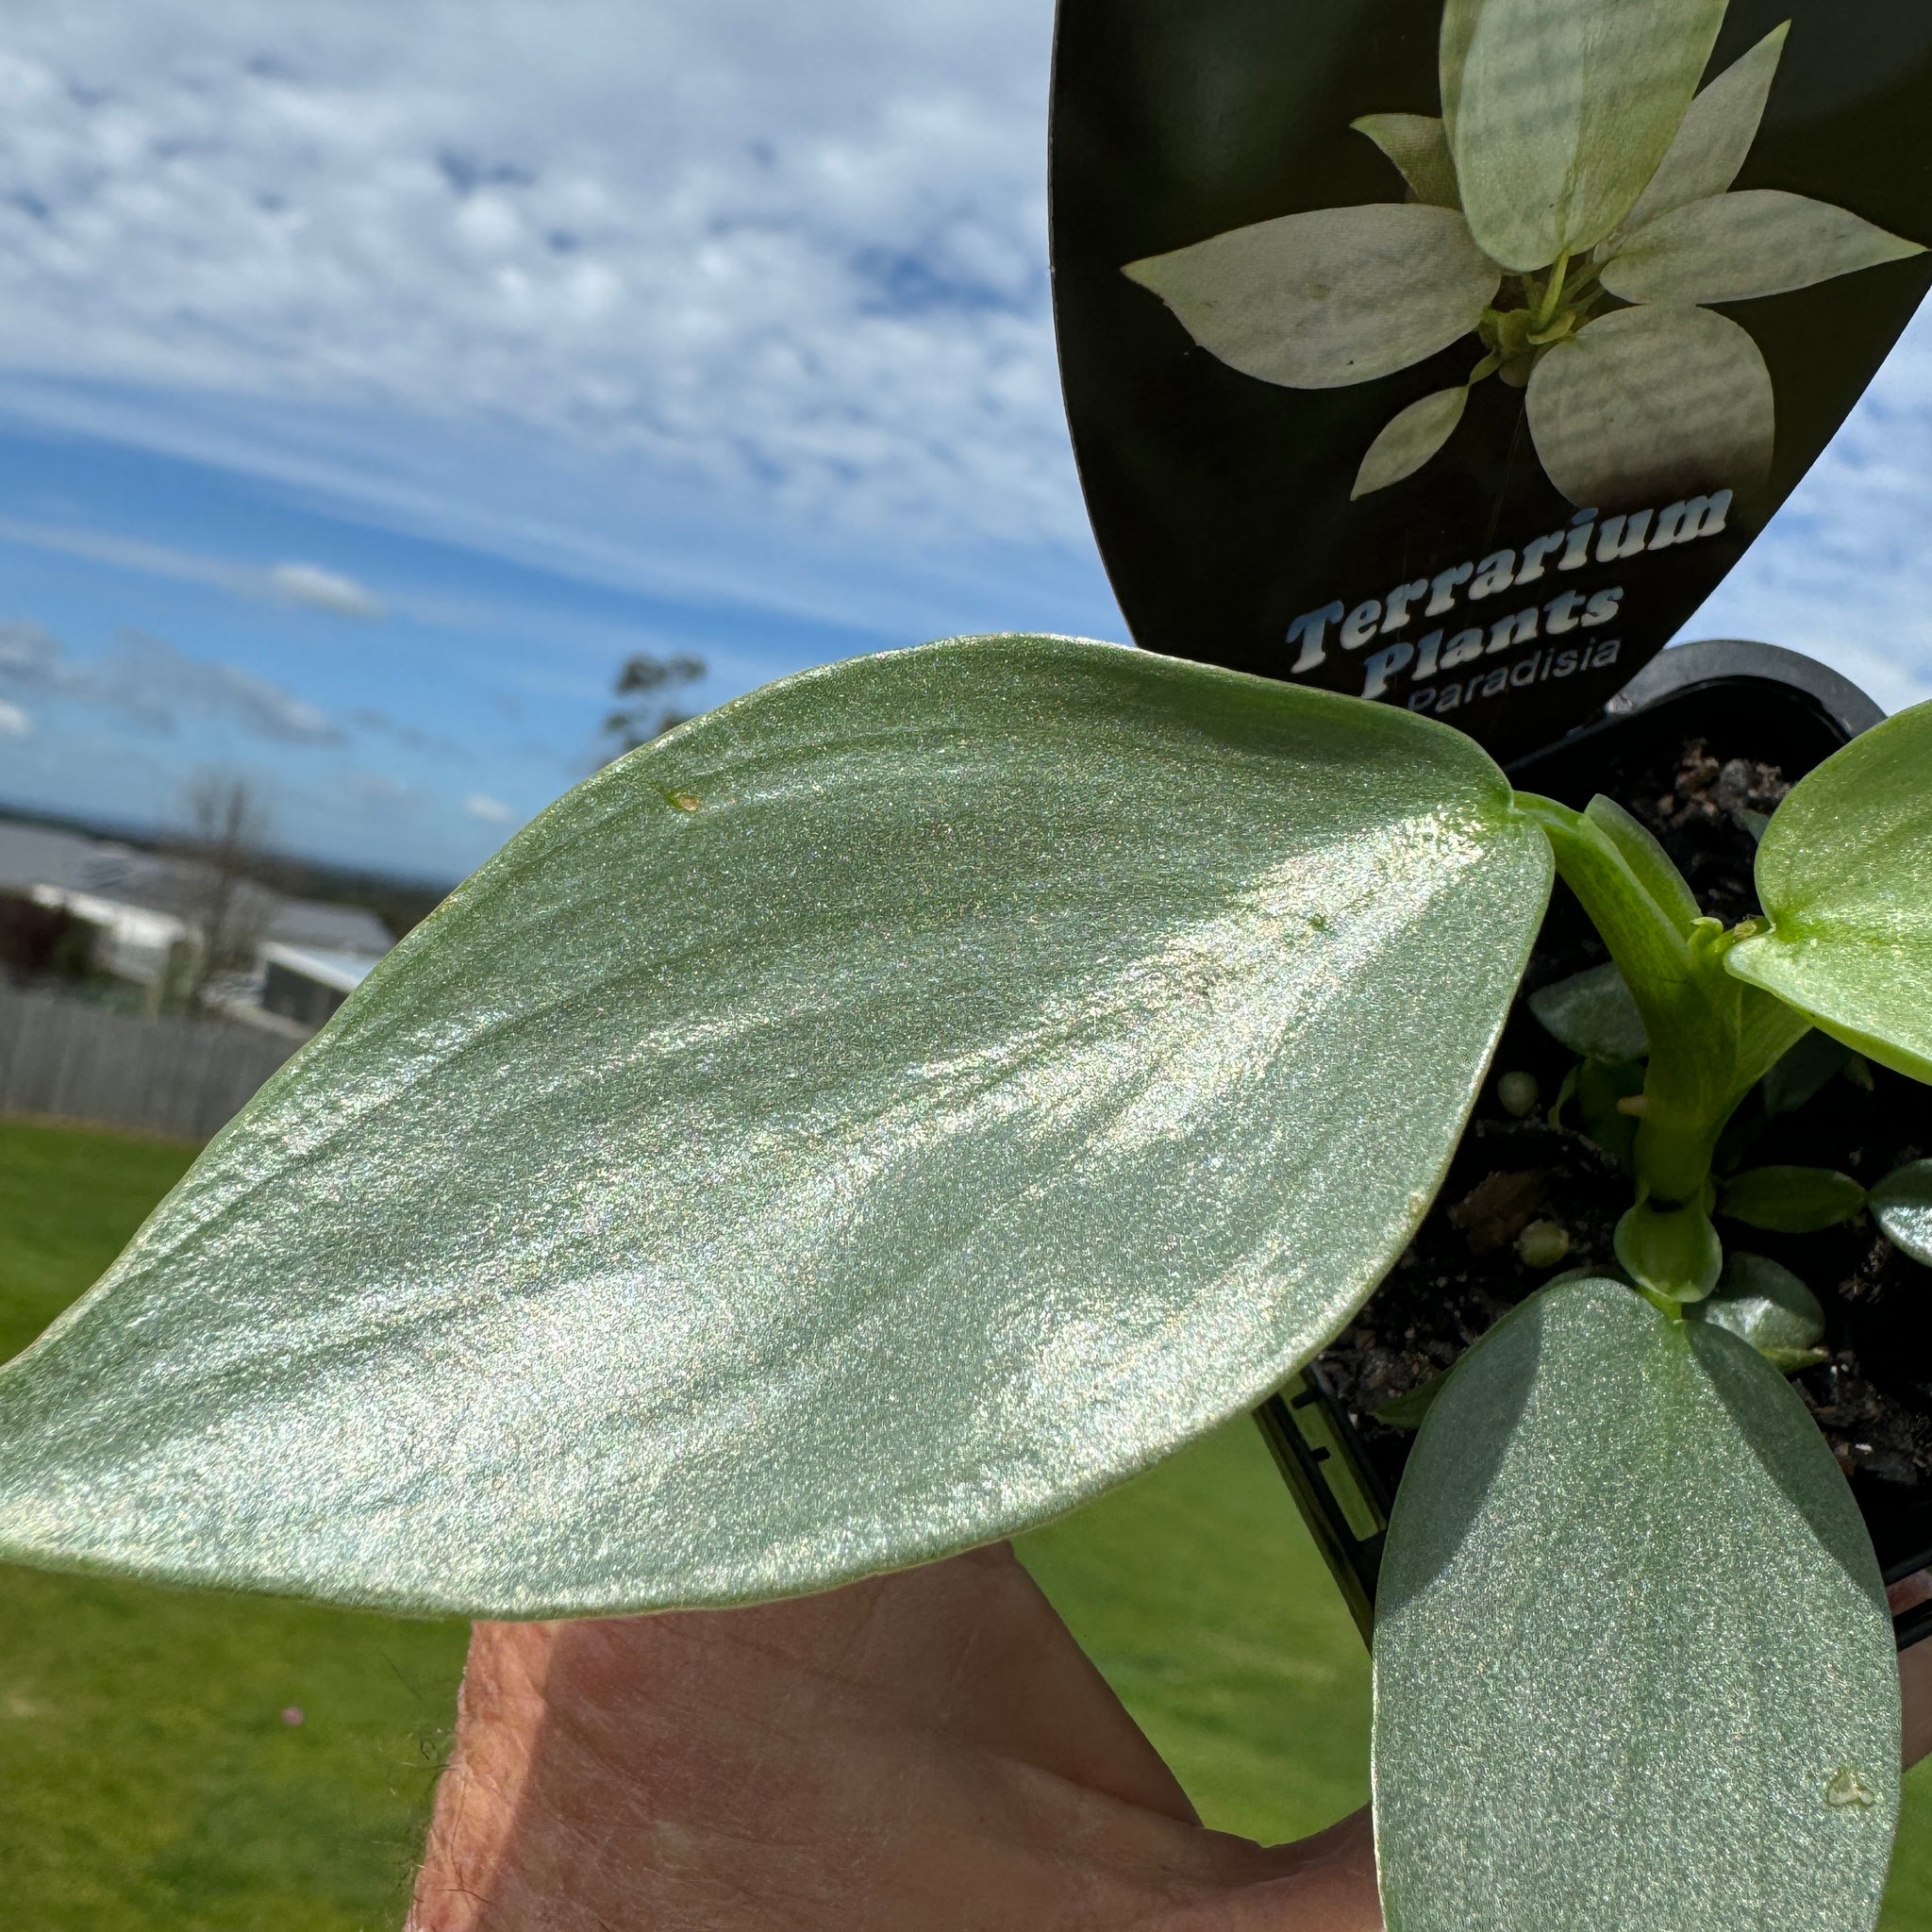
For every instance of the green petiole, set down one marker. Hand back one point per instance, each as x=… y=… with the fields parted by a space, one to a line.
x=1712 y=1037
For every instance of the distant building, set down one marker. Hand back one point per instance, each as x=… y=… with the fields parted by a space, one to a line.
x=307 y=987
x=137 y=910
x=131 y=942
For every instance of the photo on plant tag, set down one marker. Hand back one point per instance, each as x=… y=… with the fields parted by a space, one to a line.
x=1573 y=210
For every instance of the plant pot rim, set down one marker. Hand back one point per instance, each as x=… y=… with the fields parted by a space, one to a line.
x=1713 y=660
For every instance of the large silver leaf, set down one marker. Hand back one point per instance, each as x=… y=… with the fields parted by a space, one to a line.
x=1715 y=140
x=867 y=1120
x=1758 y=242
x=1845 y=875
x=1633 y=1664
x=1336 y=296
x=1559 y=112
x=1646 y=404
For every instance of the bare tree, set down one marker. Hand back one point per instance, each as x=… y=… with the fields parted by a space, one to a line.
x=221 y=895
x=642 y=685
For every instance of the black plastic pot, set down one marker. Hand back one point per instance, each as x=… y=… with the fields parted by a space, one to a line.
x=1792 y=713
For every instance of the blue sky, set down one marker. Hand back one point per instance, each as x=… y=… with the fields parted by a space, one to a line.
x=374 y=378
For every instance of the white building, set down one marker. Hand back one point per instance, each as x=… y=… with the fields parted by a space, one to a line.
x=141 y=907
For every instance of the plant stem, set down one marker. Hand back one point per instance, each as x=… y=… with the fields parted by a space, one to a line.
x=1552 y=292
x=1711 y=1038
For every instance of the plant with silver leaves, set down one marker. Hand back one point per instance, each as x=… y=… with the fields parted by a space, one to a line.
x=1573 y=208
x=881 y=1114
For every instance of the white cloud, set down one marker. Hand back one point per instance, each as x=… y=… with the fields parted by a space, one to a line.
x=492 y=812
x=287 y=583
x=322 y=590
x=14 y=722
x=798 y=253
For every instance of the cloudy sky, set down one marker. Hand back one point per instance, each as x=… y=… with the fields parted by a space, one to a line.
x=374 y=378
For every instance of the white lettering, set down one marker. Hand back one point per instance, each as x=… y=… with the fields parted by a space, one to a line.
x=1518 y=630
x=1493 y=573
x=1613 y=545
x=1383 y=666
x=1684 y=522
x=1362 y=624
x=1444 y=589
x=1311 y=628
x=1561 y=613
x=1533 y=555
x=1400 y=599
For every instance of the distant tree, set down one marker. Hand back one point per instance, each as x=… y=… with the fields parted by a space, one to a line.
x=221 y=896
x=644 y=684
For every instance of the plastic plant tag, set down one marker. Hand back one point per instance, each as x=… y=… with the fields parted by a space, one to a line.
x=1449 y=351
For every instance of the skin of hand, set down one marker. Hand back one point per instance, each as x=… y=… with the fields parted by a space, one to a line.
x=926 y=1750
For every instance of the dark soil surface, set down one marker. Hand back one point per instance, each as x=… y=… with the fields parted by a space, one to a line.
x=1872 y=1396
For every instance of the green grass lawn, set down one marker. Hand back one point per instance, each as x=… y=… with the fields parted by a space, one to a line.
x=148 y=1782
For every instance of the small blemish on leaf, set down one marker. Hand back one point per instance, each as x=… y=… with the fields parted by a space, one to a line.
x=1847 y=1789
x=684 y=801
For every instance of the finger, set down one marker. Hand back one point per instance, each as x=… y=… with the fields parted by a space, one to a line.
x=501 y=1713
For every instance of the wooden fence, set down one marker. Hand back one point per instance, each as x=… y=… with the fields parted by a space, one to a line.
x=184 y=1077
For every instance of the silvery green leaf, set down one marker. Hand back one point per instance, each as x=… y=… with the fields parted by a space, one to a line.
x=1594 y=1014
x=1336 y=296
x=1901 y=1203
x=1717 y=133
x=1458 y=28
x=863 y=1123
x=1722 y=1037
x=1792 y=1200
x=1757 y=242
x=1647 y=404
x=1559 y=115
x=1412 y=437
x=1625 y=1580
x=1763 y=1303
x=1649 y=864
x=1419 y=146
x=1845 y=875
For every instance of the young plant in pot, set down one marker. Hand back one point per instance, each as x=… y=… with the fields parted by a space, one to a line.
x=888 y=1112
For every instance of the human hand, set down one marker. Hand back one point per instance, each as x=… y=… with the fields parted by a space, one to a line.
x=929 y=1750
